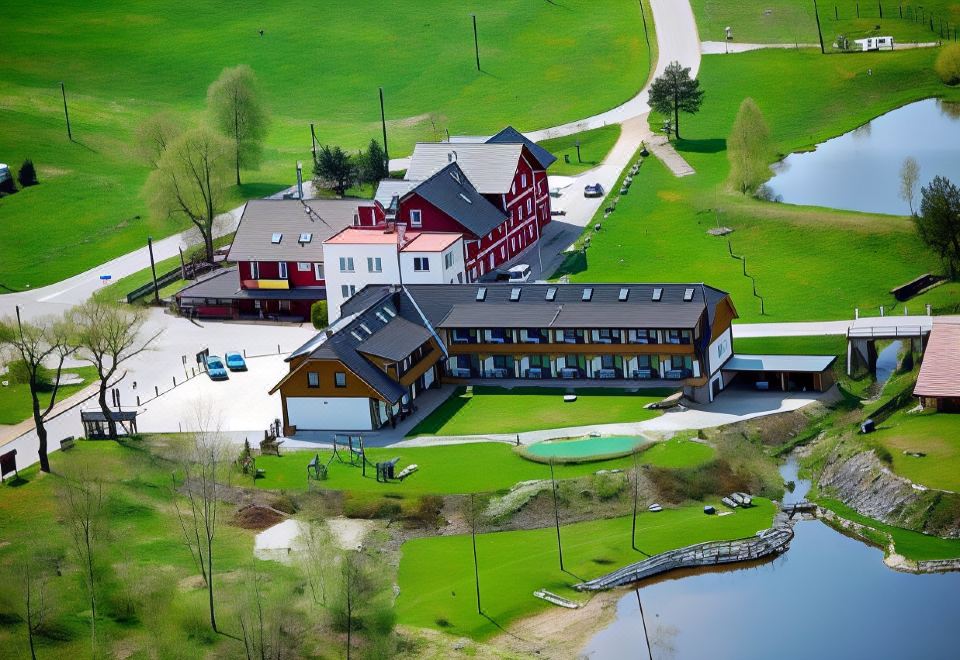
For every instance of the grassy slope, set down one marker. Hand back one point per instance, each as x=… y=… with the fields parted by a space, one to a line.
x=121 y=63
x=498 y=410
x=801 y=257
x=595 y=144
x=936 y=435
x=436 y=574
x=468 y=468
x=15 y=404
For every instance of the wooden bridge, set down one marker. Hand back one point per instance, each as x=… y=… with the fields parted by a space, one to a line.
x=802 y=506
x=765 y=543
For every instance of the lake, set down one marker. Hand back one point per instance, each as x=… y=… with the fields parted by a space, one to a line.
x=860 y=170
x=828 y=596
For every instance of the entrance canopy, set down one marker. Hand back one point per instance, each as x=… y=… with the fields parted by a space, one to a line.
x=791 y=363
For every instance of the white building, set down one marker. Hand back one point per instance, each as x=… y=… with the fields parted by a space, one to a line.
x=356 y=257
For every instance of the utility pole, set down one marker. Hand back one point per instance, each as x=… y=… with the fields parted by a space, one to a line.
x=556 y=513
x=476 y=44
x=578 y=152
x=473 y=537
x=816 y=12
x=66 y=114
x=383 y=125
x=153 y=269
x=313 y=142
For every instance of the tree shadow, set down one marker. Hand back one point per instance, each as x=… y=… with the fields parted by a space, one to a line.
x=708 y=146
x=573 y=263
x=83 y=146
x=259 y=189
x=573 y=575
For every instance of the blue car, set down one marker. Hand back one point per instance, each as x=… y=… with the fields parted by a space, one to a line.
x=215 y=368
x=235 y=362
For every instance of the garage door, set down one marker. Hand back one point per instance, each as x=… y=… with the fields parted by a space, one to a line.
x=333 y=413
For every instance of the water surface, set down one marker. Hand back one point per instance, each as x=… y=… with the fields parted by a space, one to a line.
x=860 y=170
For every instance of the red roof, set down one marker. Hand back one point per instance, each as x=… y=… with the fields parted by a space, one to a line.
x=431 y=242
x=940 y=371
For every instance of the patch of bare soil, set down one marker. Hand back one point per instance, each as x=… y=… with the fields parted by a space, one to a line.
x=257 y=517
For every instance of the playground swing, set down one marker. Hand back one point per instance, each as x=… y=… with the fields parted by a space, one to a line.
x=352 y=446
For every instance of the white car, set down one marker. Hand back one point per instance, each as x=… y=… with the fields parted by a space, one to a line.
x=519 y=273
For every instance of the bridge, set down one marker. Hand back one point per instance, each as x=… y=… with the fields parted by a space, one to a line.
x=863 y=334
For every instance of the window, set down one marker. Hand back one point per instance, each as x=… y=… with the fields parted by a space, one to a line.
x=513 y=245
x=687 y=295
x=515 y=293
x=503 y=252
x=624 y=294
x=313 y=379
x=657 y=294
x=283 y=305
x=346 y=264
x=276 y=238
x=283 y=270
x=421 y=264
x=340 y=379
x=519 y=213
x=318 y=271
x=523 y=180
x=416 y=218
x=448 y=259
x=303 y=267
x=347 y=290
x=306 y=237
x=551 y=293
x=481 y=294
x=459 y=278
x=513 y=188
x=255 y=270
x=374 y=265
x=529 y=206
x=587 y=294
x=530 y=232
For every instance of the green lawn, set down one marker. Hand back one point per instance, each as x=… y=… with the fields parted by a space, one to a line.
x=935 y=434
x=793 y=21
x=910 y=544
x=497 y=410
x=436 y=574
x=15 y=403
x=809 y=263
x=316 y=63
x=479 y=467
x=595 y=144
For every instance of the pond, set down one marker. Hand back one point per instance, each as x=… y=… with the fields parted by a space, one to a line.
x=860 y=170
x=582 y=448
x=829 y=596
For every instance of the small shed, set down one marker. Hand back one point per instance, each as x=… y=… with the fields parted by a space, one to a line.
x=95 y=424
x=785 y=373
x=875 y=43
x=938 y=383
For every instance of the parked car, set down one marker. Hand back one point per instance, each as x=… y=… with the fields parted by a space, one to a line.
x=235 y=362
x=519 y=273
x=215 y=368
x=593 y=190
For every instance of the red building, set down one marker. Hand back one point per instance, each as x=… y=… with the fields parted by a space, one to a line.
x=492 y=190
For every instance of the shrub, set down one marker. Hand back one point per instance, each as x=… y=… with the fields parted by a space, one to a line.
x=947 y=65
x=27 y=176
x=18 y=373
x=318 y=314
x=609 y=485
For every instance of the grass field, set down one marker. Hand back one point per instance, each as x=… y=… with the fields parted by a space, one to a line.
x=595 y=144
x=491 y=410
x=809 y=263
x=15 y=403
x=482 y=467
x=793 y=21
x=936 y=435
x=122 y=63
x=436 y=574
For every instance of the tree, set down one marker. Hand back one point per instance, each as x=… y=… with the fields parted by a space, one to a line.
x=27 y=176
x=675 y=92
x=108 y=335
x=909 y=175
x=947 y=64
x=319 y=314
x=205 y=467
x=938 y=222
x=80 y=498
x=334 y=169
x=154 y=135
x=749 y=148
x=239 y=114
x=373 y=164
x=37 y=343
x=191 y=181
x=34 y=574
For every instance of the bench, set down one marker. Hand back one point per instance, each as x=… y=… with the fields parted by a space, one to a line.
x=67 y=443
x=385 y=469
x=268 y=447
x=316 y=469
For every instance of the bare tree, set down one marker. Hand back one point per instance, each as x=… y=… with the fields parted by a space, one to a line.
x=205 y=469
x=261 y=622
x=80 y=499
x=191 y=181
x=315 y=561
x=154 y=135
x=909 y=177
x=34 y=576
x=239 y=114
x=38 y=343
x=109 y=335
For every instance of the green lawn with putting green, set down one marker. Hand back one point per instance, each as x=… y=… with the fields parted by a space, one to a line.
x=937 y=435
x=492 y=410
x=476 y=467
x=595 y=144
x=15 y=400
x=809 y=263
x=436 y=576
x=542 y=64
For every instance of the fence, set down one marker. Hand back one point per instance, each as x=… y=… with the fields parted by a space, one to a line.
x=190 y=270
x=904 y=21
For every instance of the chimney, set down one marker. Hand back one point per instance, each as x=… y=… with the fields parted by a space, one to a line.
x=401 y=235
x=389 y=227
x=451 y=156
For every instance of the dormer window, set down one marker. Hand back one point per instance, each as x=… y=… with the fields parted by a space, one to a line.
x=306 y=237
x=416 y=218
x=276 y=238
x=687 y=295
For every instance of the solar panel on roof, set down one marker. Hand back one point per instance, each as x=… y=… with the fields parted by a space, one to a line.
x=587 y=294
x=687 y=295
x=276 y=238
x=657 y=294
x=481 y=294
x=515 y=293
x=624 y=294
x=551 y=293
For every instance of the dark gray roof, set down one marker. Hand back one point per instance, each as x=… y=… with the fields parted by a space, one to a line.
x=451 y=192
x=795 y=363
x=396 y=340
x=262 y=218
x=510 y=135
x=226 y=285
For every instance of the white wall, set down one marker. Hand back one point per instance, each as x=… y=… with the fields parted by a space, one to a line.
x=333 y=413
x=361 y=276
x=720 y=350
x=437 y=273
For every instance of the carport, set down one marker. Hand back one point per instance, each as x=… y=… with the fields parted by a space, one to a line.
x=785 y=373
